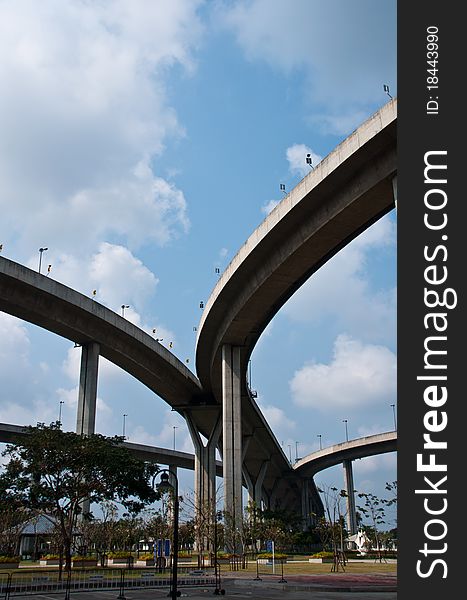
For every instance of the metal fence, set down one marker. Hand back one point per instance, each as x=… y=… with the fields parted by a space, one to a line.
x=25 y=582
x=269 y=567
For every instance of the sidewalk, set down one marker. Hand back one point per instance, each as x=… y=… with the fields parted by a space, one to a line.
x=316 y=587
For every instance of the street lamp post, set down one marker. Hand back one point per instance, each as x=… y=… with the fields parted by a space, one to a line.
x=320 y=445
x=123 y=429
x=174 y=428
x=123 y=308
x=166 y=486
x=393 y=406
x=60 y=412
x=296 y=451
x=41 y=250
x=217 y=574
x=346 y=430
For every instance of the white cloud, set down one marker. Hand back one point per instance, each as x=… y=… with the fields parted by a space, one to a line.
x=71 y=367
x=221 y=258
x=269 y=206
x=341 y=290
x=359 y=376
x=15 y=346
x=296 y=156
x=164 y=438
x=16 y=413
x=70 y=398
x=374 y=464
x=373 y=429
x=340 y=124
x=276 y=418
x=330 y=44
x=84 y=113
x=117 y=276
x=120 y=278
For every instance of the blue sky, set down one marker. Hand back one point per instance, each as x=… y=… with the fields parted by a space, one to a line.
x=142 y=142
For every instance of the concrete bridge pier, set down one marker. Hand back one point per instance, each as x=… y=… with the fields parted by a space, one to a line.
x=172 y=480
x=205 y=474
x=307 y=507
x=173 y=474
x=87 y=395
x=255 y=486
x=349 y=486
x=232 y=443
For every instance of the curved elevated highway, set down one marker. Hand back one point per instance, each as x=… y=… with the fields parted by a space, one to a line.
x=53 y=306
x=348 y=191
x=333 y=455
x=40 y=300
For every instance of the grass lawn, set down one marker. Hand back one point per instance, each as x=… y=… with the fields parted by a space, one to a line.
x=302 y=568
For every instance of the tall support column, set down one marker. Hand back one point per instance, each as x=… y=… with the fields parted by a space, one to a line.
x=258 y=490
x=173 y=482
x=273 y=496
x=205 y=474
x=349 y=486
x=255 y=486
x=87 y=396
x=265 y=503
x=173 y=474
x=306 y=507
x=232 y=441
x=250 y=486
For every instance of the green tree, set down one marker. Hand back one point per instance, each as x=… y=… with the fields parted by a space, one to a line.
x=279 y=525
x=55 y=472
x=12 y=518
x=331 y=527
x=373 y=511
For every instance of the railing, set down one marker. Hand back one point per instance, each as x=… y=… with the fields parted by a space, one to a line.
x=25 y=582
x=262 y=569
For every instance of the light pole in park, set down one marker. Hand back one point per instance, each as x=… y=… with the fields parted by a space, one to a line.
x=217 y=574
x=163 y=487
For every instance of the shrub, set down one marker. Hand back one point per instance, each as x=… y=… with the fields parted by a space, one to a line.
x=9 y=559
x=120 y=554
x=78 y=558
x=277 y=555
x=147 y=556
x=322 y=554
x=50 y=557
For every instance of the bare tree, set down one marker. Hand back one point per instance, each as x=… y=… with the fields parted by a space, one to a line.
x=331 y=526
